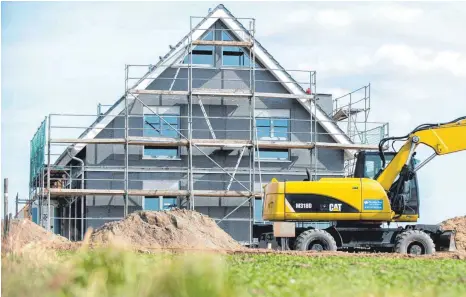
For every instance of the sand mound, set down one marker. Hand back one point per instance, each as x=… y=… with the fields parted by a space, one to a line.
x=178 y=229
x=458 y=224
x=25 y=232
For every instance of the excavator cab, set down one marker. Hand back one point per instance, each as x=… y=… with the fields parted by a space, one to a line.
x=368 y=164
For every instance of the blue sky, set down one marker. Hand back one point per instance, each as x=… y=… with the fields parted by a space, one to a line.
x=69 y=56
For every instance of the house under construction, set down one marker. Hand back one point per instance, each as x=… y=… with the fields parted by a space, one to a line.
x=205 y=128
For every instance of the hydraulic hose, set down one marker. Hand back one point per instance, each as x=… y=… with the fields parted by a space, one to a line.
x=418 y=128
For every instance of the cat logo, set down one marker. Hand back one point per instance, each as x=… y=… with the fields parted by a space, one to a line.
x=335 y=207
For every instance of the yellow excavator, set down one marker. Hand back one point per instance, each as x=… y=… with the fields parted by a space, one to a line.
x=384 y=189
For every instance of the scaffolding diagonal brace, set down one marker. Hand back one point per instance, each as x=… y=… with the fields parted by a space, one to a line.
x=236 y=168
x=206 y=118
x=174 y=79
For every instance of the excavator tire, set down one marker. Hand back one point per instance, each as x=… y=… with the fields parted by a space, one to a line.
x=414 y=242
x=315 y=239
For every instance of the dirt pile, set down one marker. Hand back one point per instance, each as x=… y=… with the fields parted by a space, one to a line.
x=458 y=224
x=25 y=232
x=175 y=229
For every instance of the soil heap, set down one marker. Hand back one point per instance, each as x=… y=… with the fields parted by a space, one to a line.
x=458 y=224
x=175 y=229
x=24 y=232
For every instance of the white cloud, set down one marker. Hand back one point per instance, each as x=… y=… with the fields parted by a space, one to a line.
x=419 y=59
x=298 y=17
x=333 y=18
x=336 y=92
x=398 y=13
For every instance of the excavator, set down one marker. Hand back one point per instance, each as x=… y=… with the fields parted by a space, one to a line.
x=360 y=209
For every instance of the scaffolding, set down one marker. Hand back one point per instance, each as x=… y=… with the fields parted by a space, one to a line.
x=348 y=110
x=66 y=182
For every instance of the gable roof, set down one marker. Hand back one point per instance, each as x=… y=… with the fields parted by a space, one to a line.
x=177 y=52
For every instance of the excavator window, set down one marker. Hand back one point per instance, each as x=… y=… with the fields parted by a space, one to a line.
x=373 y=164
x=369 y=163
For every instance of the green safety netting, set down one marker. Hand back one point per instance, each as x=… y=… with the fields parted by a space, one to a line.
x=37 y=152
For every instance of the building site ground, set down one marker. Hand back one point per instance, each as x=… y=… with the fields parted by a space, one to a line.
x=151 y=254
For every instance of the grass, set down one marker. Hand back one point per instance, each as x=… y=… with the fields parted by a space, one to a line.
x=114 y=272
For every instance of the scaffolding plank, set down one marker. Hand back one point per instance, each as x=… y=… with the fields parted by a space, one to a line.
x=233 y=143
x=158 y=92
x=88 y=140
x=55 y=192
x=222 y=43
x=280 y=95
x=222 y=93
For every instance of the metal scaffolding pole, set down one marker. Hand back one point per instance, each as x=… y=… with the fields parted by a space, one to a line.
x=190 y=119
x=69 y=217
x=254 y=138
x=75 y=230
x=49 y=211
x=315 y=127
x=125 y=211
x=38 y=193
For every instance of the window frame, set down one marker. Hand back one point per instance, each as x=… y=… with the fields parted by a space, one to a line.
x=212 y=64
x=273 y=115
x=245 y=54
x=158 y=203
x=161 y=124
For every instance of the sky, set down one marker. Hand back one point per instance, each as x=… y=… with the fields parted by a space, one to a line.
x=60 y=57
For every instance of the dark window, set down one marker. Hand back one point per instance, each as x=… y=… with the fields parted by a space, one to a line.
x=258 y=207
x=161 y=152
x=273 y=154
x=273 y=129
x=373 y=164
x=153 y=203
x=154 y=126
x=202 y=54
x=234 y=55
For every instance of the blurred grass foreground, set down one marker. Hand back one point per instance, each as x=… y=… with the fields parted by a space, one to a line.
x=116 y=272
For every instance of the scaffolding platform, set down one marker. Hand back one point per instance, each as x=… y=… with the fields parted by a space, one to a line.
x=222 y=43
x=344 y=113
x=232 y=143
x=56 y=193
x=221 y=93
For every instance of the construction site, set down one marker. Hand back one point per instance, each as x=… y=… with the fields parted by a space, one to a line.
x=237 y=176
x=184 y=133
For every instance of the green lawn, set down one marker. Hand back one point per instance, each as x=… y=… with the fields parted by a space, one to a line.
x=117 y=273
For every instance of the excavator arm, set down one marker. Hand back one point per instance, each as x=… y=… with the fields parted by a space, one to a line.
x=443 y=138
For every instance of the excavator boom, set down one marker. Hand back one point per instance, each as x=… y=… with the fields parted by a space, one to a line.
x=442 y=138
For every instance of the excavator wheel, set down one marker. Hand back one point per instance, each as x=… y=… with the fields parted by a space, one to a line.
x=315 y=239
x=414 y=242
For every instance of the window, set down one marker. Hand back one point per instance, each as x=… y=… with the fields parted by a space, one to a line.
x=202 y=54
x=272 y=128
x=235 y=55
x=273 y=124
x=273 y=154
x=156 y=203
x=373 y=164
x=258 y=207
x=164 y=126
